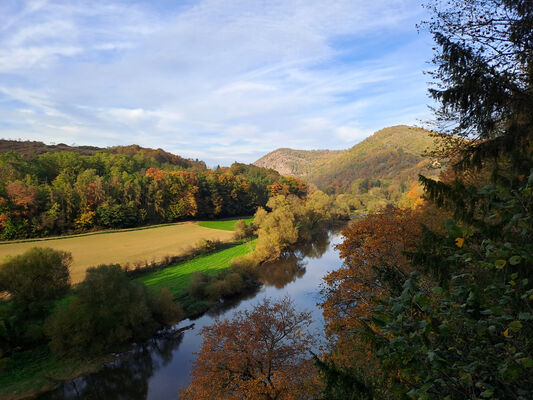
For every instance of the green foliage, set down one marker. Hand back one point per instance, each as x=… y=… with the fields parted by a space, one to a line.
x=460 y=328
x=289 y=221
x=483 y=77
x=37 y=276
x=109 y=310
x=33 y=280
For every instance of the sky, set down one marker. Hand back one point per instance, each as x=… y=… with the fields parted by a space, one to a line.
x=217 y=80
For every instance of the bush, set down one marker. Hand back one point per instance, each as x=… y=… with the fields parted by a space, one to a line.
x=218 y=290
x=242 y=230
x=164 y=310
x=109 y=310
x=196 y=288
x=36 y=277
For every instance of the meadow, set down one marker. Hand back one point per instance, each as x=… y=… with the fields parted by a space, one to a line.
x=224 y=224
x=178 y=277
x=134 y=246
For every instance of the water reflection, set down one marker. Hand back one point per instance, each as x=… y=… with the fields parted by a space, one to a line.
x=159 y=369
x=126 y=378
x=292 y=265
x=316 y=247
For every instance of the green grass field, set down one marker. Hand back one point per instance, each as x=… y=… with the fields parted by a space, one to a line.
x=35 y=371
x=225 y=225
x=178 y=277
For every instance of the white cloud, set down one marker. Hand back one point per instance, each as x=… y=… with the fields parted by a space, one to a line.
x=211 y=79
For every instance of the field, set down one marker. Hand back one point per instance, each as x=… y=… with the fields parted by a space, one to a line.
x=226 y=224
x=129 y=246
x=177 y=278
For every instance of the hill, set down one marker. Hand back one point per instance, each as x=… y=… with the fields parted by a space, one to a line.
x=297 y=163
x=391 y=154
x=30 y=149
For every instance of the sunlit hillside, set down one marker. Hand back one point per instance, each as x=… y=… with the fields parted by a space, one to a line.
x=394 y=153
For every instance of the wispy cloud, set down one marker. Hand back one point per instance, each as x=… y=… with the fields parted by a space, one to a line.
x=212 y=79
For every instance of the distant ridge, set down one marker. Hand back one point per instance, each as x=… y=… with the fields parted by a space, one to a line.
x=393 y=153
x=28 y=148
x=31 y=149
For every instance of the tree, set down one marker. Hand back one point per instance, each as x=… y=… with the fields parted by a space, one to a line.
x=458 y=328
x=484 y=76
x=259 y=354
x=109 y=310
x=36 y=277
x=34 y=280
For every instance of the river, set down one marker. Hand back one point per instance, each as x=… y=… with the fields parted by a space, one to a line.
x=159 y=368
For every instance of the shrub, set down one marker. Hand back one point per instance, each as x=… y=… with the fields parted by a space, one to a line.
x=36 y=277
x=164 y=310
x=109 y=310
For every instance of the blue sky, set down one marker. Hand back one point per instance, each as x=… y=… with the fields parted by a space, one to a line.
x=218 y=80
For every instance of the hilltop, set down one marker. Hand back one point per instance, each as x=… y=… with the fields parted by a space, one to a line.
x=297 y=163
x=393 y=153
x=31 y=149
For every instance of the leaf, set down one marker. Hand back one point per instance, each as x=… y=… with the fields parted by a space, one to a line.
x=514 y=260
x=515 y=326
x=506 y=333
x=500 y=264
x=459 y=242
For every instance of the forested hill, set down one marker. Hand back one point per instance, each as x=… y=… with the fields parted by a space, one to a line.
x=393 y=154
x=65 y=190
x=31 y=149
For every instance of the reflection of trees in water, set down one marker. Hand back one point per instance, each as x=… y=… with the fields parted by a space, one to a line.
x=316 y=247
x=282 y=272
x=229 y=304
x=292 y=265
x=126 y=378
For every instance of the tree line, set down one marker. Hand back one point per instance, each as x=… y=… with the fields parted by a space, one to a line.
x=63 y=192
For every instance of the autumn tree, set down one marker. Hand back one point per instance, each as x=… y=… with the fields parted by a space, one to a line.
x=261 y=354
x=458 y=327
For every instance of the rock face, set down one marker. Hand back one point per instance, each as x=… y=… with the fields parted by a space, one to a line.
x=394 y=153
x=298 y=163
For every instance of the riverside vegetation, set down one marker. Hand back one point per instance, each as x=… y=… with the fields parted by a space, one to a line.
x=113 y=307
x=434 y=301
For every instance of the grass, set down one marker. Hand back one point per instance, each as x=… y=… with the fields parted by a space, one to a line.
x=225 y=225
x=31 y=372
x=125 y=247
x=178 y=277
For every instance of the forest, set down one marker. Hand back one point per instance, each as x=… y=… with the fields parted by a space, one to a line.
x=64 y=192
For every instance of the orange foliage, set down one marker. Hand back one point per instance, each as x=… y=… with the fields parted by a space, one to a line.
x=260 y=354
x=375 y=265
x=155 y=173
